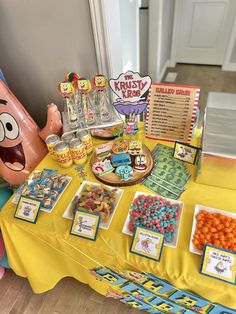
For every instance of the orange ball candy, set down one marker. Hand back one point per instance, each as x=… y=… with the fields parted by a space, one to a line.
x=215 y=229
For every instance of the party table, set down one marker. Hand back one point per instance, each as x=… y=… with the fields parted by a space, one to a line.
x=46 y=252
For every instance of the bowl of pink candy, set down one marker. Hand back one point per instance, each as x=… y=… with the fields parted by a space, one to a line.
x=157 y=213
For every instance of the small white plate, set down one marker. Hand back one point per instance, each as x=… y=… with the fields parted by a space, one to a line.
x=125 y=229
x=17 y=196
x=103 y=225
x=198 y=208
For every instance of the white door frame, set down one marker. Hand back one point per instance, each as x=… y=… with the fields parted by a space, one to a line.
x=106 y=22
x=154 y=34
x=226 y=66
x=176 y=27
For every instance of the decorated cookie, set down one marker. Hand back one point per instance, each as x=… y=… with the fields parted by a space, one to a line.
x=102 y=167
x=140 y=163
x=119 y=147
x=124 y=172
x=104 y=150
x=121 y=159
x=135 y=148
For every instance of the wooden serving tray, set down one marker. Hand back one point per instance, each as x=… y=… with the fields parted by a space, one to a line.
x=112 y=179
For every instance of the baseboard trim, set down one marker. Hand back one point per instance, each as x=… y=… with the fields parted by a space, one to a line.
x=229 y=67
x=163 y=71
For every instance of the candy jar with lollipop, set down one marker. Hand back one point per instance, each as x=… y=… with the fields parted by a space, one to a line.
x=73 y=78
x=66 y=89
x=101 y=100
x=84 y=87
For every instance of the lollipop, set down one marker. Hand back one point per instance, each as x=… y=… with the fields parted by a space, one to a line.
x=73 y=78
x=100 y=82
x=66 y=89
x=84 y=86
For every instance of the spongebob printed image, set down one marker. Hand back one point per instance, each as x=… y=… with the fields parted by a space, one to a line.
x=135 y=148
x=100 y=82
x=66 y=88
x=84 y=85
x=220 y=268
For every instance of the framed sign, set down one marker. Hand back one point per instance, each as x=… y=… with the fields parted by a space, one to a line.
x=27 y=209
x=147 y=243
x=219 y=264
x=85 y=225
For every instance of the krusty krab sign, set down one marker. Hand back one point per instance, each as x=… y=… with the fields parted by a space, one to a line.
x=131 y=89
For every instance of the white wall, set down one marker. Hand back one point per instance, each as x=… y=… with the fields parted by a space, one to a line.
x=166 y=33
x=233 y=56
x=161 y=16
x=143 y=45
x=40 y=42
x=129 y=14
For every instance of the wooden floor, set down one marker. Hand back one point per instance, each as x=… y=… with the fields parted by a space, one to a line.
x=209 y=78
x=70 y=296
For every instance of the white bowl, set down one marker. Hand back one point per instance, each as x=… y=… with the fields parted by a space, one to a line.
x=198 y=208
x=17 y=196
x=125 y=229
x=103 y=225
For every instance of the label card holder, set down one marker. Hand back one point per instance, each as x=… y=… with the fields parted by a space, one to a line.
x=219 y=263
x=148 y=243
x=27 y=209
x=186 y=153
x=85 y=225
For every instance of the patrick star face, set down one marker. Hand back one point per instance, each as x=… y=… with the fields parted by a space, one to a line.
x=21 y=148
x=11 y=149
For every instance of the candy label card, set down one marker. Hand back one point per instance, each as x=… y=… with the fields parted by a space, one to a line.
x=185 y=152
x=219 y=263
x=172 y=111
x=85 y=225
x=27 y=209
x=148 y=243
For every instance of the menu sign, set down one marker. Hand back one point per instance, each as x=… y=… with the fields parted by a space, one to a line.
x=171 y=111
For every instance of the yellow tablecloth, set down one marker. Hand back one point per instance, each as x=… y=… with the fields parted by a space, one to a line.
x=46 y=252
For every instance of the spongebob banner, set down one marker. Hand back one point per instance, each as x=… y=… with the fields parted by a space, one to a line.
x=147 y=292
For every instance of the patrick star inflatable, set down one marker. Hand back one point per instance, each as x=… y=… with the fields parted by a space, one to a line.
x=2 y=252
x=22 y=143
